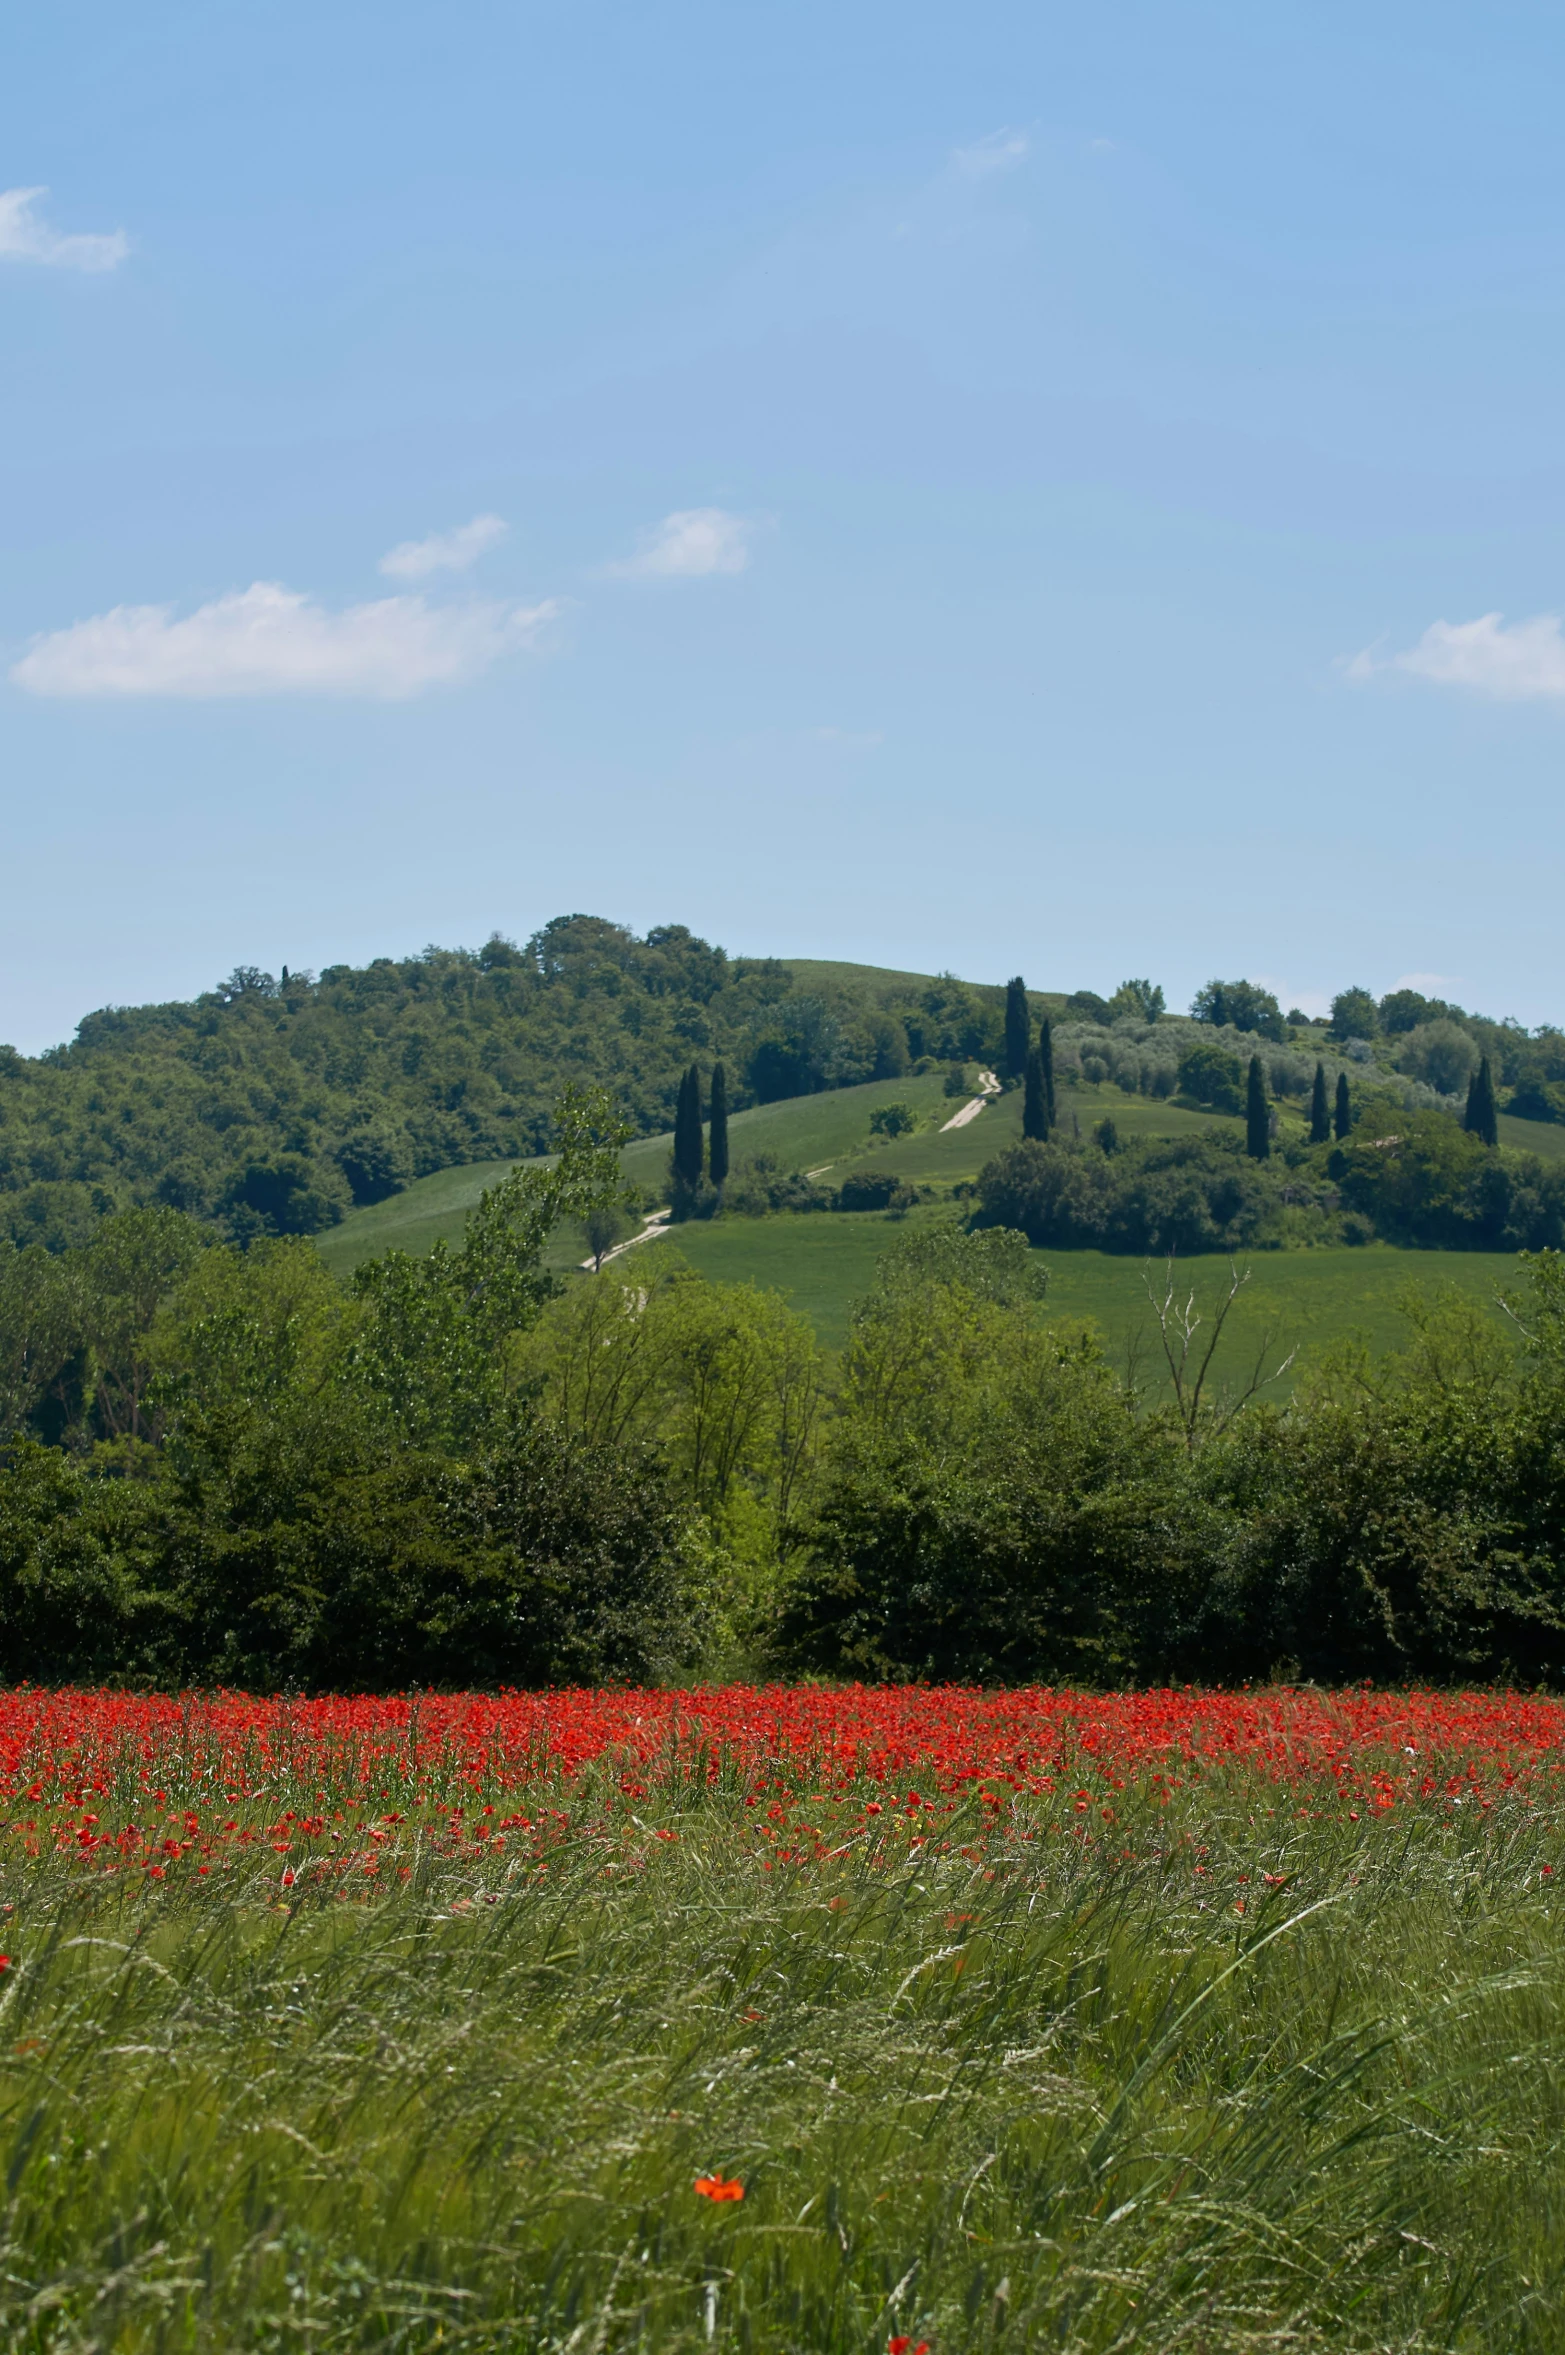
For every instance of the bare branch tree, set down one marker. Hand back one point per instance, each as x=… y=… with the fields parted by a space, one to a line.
x=1190 y=1365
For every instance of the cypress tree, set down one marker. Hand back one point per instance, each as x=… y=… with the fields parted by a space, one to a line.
x=1320 y=1118
x=1257 y=1115
x=687 y=1131
x=1046 y=1057
x=1017 y=1026
x=1481 y=1116
x=1343 y=1118
x=1035 y=1099
x=717 y=1149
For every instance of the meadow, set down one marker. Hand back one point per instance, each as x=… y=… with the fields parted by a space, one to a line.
x=784 y=2019
x=823 y=1263
x=1306 y=1301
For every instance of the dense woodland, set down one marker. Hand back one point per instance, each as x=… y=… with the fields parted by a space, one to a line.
x=271 y=1106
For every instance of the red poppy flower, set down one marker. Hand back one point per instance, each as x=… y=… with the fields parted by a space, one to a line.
x=906 y=2347
x=712 y=2187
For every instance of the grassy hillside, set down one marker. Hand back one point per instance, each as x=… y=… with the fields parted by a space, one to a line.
x=825 y=1261
x=1310 y=1299
x=808 y=1132
x=1543 y=1137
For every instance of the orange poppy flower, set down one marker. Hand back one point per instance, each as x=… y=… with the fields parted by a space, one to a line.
x=712 y=2187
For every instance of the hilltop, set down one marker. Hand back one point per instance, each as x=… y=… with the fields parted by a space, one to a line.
x=278 y=1104
x=297 y=1103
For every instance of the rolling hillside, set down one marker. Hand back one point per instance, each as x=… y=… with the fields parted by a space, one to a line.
x=370 y=1107
x=824 y=1261
x=828 y=1132
x=278 y=1105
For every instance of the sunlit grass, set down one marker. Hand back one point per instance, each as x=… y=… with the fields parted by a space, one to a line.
x=1213 y=2074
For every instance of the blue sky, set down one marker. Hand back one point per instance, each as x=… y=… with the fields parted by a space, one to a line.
x=1000 y=488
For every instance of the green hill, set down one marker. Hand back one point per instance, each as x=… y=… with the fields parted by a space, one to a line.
x=1308 y=1300
x=807 y=1132
x=279 y=1105
x=370 y=1106
x=823 y=1261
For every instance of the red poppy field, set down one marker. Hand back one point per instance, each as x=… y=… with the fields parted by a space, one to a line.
x=180 y=1785
x=782 y=2018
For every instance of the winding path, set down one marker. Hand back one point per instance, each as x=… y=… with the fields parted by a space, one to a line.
x=970 y=1110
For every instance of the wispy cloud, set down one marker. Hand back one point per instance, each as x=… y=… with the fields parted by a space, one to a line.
x=1000 y=151
x=1518 y=664
x=270 y=640
x=24 y=237
x=687 y=544
x=1428 y=984
x=452 y=551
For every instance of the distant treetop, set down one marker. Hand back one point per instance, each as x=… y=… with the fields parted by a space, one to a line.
x=1143 y=999
x=1240 y=1005
x=1354 y=1014
x=1405 y=1009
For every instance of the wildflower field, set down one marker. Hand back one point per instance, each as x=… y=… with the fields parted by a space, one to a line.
x=783 y=2019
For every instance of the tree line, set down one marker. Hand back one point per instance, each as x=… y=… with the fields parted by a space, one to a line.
x=274 y=1105
x=223 y=1465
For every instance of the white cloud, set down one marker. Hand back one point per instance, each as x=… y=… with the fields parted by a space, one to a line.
x=269 y=640
x=1001 y=151
x=688 y=543
x=25 y=238
x=452 y=551
x=1514 y=665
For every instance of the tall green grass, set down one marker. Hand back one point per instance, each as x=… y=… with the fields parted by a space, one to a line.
x=1041 y=2094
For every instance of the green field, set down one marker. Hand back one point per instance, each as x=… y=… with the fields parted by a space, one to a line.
x=825 y=1261
x=1543 y=1137
x=807 y=1132
x=1236 y=2058
x=1307 y=1298
x=826 y=1133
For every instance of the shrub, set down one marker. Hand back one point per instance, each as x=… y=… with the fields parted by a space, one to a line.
x=1210 y=1075
x=1428 y=1181
x=538 y=1561
x=1538 y=1100
x=893 y=1120
x=1441 y=1054
x=759 y=1184
x=1191 y=1194
x=874 y=1189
